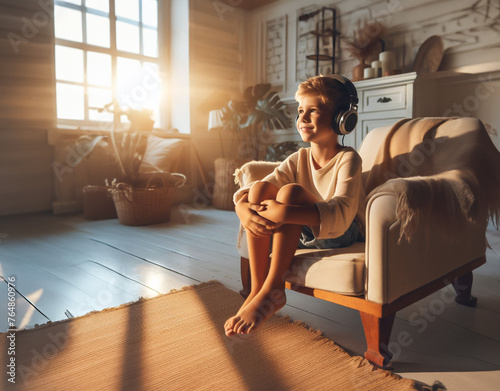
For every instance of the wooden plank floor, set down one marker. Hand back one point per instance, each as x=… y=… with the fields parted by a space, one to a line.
x=67 y=266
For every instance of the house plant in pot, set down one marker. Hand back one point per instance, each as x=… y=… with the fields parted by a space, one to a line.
x=250 y=120
x=138 y=200
x=365 y=46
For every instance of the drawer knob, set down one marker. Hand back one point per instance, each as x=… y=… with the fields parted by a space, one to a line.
x=385 y=99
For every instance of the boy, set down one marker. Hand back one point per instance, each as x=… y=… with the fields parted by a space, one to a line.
x=314 y=199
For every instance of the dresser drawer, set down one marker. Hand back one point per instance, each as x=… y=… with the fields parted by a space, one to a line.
x=383 y=99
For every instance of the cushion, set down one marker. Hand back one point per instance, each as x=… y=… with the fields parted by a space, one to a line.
x=162 y=154
x=339 y=270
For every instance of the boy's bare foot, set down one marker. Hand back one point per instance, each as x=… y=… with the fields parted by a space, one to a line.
x=229 y=325
x=259 y=309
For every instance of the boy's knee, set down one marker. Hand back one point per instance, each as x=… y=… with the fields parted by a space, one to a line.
x=293 y=194
x=261 y=191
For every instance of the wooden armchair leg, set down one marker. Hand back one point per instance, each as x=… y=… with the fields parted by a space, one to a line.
x=245 y=277
x=377 y=334
x=463 y=288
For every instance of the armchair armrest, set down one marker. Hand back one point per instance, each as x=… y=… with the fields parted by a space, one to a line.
x=394 y=269
x=254 y=171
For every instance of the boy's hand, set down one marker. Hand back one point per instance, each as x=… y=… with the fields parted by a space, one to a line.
x=271 y=210
x=252 y=221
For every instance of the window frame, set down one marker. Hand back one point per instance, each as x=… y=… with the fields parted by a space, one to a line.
x=112 y=50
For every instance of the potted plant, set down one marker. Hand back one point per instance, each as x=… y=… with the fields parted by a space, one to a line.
x=251 y=119
x=365 y=46
x=137 y=200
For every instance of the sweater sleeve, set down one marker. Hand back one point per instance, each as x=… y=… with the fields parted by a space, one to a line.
x=283 y=174
x=337 y=214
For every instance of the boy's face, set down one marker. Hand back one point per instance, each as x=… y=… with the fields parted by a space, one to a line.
x=315 y=120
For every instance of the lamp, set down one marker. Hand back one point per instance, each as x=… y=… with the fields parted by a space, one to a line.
x=215 y=123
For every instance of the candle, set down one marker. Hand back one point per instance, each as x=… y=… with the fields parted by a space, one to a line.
x=388 y=60
x=369 y=73
x=377 y=66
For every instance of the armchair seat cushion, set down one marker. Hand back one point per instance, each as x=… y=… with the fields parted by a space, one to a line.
x=340 y=270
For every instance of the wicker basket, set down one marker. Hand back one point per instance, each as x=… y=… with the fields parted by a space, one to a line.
x=149 y=205
x=98 y=203
x=224 y=186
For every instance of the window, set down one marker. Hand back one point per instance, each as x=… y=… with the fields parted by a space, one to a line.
x=105 y=51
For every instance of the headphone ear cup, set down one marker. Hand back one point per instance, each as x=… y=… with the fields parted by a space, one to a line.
x=350 y=121
x=336 y=123
x=347 y=121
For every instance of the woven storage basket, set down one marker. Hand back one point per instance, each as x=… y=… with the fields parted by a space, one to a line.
x=98 y=203
x=224 y=186
x=149 y=205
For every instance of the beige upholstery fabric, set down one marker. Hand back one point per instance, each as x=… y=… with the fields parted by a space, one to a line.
x=370 y=146
x=394 y=269
x=339 y=270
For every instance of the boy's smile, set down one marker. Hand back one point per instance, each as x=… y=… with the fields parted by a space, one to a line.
x=315 y=120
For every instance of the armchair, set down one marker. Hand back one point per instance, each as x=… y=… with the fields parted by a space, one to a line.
x=427 y=209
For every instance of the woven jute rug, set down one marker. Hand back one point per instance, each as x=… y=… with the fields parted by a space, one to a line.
x=176 y=342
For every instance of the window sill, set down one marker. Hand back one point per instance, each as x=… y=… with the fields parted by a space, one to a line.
x=70 y=130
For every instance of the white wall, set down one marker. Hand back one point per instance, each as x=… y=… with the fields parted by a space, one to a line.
x=26 y=106
x=469 y=29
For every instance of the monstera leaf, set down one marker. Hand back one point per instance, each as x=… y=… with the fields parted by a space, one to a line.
x=265 y=107
x=260 y=110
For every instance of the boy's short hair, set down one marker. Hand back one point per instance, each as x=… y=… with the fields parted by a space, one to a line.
x=330 y=91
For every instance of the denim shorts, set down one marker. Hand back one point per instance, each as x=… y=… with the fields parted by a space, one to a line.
x=307 y=239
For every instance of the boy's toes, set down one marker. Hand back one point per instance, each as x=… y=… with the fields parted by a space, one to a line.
x=229 y=326
x=243 y=327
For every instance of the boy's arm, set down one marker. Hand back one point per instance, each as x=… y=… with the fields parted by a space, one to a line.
x=288 y=214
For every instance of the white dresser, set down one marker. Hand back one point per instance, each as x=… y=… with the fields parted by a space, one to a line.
x=385 y=100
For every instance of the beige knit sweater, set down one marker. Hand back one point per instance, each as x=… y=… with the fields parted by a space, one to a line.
x=337 y=186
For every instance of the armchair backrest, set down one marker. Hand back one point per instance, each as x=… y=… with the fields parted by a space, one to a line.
x=372 y=142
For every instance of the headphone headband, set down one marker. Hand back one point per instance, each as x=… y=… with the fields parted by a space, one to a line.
x=351 y=90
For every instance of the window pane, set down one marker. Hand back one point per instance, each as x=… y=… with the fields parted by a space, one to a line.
x=150 y=87
x=150 y=12
x=69 y=64
x=97 y=30
x=127 y=9
x=128 y=80
x=68 y=24
x=101 y=5
x=99 y=69
x=97 y=98
x=70 y=102
x=150 y=42
x=127 y=37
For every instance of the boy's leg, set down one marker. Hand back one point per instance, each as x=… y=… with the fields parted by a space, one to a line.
x=271 y=296
x=258 y=249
